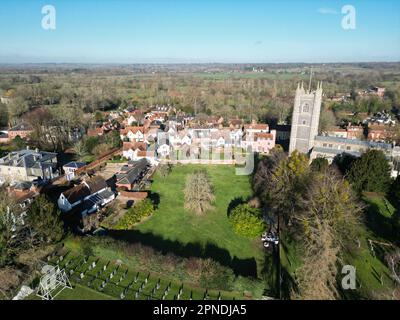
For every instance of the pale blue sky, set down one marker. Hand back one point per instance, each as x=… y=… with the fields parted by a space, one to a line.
x=199 y=31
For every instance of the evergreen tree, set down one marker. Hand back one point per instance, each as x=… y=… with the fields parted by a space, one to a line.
x=371 y=172
x=43 y=218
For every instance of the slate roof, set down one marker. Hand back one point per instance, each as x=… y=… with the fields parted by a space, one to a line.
x=28 y=159
x=76 y=193
x=96 y=183
x=74 y=164
x=367 y=144
x=131 y=175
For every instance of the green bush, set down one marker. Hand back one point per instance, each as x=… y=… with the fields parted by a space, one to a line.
x=135 y=214
x=247 y=221
x=91 y=143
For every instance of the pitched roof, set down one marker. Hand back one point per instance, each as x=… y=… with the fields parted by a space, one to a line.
x=74 y=164
x=134 y=129
x=134 y=145
x=145 y=154
x=133 y=173
x=76 y=193
x=96 y=183
x=256 y=126
x=263 y=135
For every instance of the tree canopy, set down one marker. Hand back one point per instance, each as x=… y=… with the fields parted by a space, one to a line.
x=198 y=193
x=371 y=172
x=247 y=221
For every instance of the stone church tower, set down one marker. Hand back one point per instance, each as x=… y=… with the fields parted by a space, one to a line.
x=305 y=118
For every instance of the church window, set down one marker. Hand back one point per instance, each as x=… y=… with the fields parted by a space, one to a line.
x=306 y=107
x=304 y=122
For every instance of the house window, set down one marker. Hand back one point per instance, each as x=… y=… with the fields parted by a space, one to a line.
x=348 y=148
x=330 y=145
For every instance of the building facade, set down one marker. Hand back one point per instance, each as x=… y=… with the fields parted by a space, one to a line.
x=305 y=119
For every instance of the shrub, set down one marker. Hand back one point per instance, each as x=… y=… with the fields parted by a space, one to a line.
x=135 y=214
x=91 y=143
x=247 y=221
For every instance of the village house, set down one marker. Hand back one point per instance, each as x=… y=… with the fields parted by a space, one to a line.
x=235 y=123
x=22 y=195
x=165 y=110
x=350 y=132
x=379 y=132
x=71 y=167
x=133 y=134
x=355 y=132
x=258 y=137
x=95 y=132
x=130 y=149
x=149 y=155
x=151 y=135
x=214 y=122
x=130 y=120
x=138 y=150
x=91 y=194
x=22 y=130
x=4 y=138
x=130 y=175
x=28 y=165
x=236 y=136
x=260 y=142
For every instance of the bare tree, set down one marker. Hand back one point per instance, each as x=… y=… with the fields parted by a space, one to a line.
x=393 y=261
x=330 y=217
x=198 y=193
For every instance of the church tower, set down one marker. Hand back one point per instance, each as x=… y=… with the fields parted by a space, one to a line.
x=305 y=118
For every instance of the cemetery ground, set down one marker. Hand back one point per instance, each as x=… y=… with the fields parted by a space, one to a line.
x=367 y=257
x=94 y=278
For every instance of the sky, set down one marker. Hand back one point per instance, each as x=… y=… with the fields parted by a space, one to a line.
x=199 y=31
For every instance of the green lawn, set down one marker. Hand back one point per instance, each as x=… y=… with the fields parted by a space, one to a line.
x=80 y=292
x=211 y=233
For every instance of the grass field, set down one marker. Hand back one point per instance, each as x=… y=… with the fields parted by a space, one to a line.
x=211 y=233
x=80 y=292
